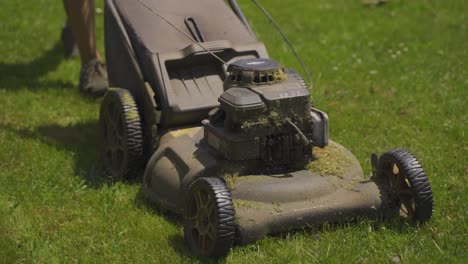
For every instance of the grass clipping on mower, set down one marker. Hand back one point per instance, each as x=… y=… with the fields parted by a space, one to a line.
x=331 y=160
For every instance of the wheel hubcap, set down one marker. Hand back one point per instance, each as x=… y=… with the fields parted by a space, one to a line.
x=400 y=187
x=203 y=220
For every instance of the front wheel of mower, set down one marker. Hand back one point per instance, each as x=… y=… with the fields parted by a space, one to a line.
x=121 y=134
x=407 y=185
x=209 y=228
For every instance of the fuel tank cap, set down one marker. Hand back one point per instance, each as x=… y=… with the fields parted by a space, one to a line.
x=256 y=64
x=256 y=71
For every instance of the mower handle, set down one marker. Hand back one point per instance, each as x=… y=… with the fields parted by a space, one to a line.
x=237 y=10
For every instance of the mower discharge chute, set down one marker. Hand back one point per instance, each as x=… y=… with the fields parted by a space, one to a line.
x=236 y=147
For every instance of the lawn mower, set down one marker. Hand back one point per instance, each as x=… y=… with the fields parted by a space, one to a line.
x=229 y=138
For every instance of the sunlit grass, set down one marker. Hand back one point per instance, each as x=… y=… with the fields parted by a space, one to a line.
x=390 y=76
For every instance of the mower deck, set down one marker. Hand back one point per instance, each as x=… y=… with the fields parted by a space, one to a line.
x=277 y=203
x=264 y=204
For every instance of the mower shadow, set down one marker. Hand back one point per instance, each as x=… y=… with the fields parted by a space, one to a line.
x=142 y=202
x=81 y=139
x=28 y=74
x=178 y=243
x=175 y=241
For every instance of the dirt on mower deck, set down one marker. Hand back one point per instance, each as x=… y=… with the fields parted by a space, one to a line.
x=331 y=188
x=333 y=160
x=249 y=204
x=231 y=180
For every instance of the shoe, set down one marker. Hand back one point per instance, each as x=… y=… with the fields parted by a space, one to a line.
x=93 y=78
x=69 y=45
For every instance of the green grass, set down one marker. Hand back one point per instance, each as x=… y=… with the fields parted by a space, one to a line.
x=390 y=76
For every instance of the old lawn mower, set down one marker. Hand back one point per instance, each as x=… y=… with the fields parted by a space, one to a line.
x=229 y=138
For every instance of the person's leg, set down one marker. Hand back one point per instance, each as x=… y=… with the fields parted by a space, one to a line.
x=81 y=21
x=80 y=17
x=68 y=41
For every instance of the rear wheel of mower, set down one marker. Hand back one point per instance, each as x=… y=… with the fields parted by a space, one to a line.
x=121 y=134
x=407 y=185
x=209 y=228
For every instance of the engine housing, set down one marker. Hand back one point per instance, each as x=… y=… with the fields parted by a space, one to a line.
x=265 y=114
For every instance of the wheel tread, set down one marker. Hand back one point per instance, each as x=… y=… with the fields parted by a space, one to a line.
x=225 y=214
x=417 y=178
x=133 y=129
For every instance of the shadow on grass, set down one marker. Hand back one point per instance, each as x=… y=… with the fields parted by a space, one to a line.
x=83 y=140
x=28 y=75
x=80 y=139
x=175 y=241
x=141 y=201
x=178 y=243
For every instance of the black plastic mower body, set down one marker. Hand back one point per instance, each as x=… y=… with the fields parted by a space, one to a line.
x=183 y=80
x=254 y=128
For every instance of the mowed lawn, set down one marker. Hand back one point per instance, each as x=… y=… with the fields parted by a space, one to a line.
x=389 y=76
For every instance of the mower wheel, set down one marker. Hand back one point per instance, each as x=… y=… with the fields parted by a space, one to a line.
x=209 y=228
x=121 y=134
x=406 y=184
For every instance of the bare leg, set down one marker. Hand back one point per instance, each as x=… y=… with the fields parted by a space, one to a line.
x=80 y=18
x=80 y=15
x=70 y=49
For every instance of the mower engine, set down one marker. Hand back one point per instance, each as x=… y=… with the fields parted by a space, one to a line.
x=265 y=114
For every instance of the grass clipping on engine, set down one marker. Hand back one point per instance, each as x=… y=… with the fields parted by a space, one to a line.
x=331 y=160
